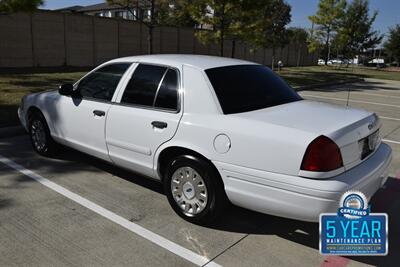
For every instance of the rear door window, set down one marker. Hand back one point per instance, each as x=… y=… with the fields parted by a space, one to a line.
x=167 y=95
x=143 y=85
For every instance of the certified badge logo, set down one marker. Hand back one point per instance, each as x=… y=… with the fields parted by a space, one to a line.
x=354 y=205
x=353 y=230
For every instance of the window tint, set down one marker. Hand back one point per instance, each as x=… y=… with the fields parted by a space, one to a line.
x=143 y=85
x=101 y=84
x=244 y=88
x=167 y=96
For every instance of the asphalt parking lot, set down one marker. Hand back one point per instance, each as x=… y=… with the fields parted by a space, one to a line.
x=75 y=210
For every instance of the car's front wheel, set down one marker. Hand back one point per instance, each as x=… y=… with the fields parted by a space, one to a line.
x=40 y=136
x=194 y=189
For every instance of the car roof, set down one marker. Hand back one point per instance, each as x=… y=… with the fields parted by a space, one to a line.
x=177 y=60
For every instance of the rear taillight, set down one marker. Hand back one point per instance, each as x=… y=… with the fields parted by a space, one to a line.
x=322 y=155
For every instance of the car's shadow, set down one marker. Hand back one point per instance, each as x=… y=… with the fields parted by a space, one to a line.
x=239 y=220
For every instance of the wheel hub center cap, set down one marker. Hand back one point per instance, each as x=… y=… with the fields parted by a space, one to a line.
x=188 y=190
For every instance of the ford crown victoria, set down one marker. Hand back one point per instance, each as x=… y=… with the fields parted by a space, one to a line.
x=214 y=130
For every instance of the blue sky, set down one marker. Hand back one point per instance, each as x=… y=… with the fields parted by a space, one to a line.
x=389 y=10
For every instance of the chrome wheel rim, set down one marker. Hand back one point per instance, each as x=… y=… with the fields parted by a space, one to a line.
x=38 y=134
x=189 y=190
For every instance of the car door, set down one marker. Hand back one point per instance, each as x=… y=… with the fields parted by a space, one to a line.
x=146 y=115
x=80 y=121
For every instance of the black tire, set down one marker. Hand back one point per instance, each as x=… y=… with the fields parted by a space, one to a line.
x=216 y=196
x=47 y=146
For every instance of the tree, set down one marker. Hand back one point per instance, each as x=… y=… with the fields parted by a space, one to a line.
x=298 y=37
x=238 y=28
x=222 y=16
x=19 y=5
x=327 y=20
x=314 y=43
x=355 y=32
x=134 y=8
x=269 y=27
x=160 y=12
x=392 y=45
x=175 y=13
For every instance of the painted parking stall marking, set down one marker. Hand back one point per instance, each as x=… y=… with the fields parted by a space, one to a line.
x=351 y=100
x=391 y=141
x=389 y=118
x=135 y=228
x=378 y=95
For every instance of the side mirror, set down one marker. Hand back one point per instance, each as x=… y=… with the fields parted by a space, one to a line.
x=66 y=89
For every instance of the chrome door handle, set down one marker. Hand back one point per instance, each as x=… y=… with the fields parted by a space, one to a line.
x=159 y=124
x=99 y=113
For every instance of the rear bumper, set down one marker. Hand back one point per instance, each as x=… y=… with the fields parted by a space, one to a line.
x=302 y=198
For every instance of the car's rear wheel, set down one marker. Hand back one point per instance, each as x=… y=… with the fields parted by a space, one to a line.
x=194 y=189
x=39 y=133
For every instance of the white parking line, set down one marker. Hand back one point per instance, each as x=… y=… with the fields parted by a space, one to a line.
x=389 y=118
x=371 y=94
x=137 y=229
x=355 y=101
x=391 y=91
x=391 y=141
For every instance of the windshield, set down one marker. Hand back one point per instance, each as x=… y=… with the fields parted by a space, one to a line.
x=243 y=88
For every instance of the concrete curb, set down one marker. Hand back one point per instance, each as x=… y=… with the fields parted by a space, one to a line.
x=319 y=85
x=11 y=131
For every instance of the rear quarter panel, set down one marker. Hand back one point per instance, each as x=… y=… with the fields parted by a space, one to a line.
x=253 y=145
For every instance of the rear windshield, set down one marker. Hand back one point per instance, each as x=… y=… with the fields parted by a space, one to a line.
x=244 y=88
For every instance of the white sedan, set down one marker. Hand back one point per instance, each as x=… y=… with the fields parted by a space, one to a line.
x=214 y=130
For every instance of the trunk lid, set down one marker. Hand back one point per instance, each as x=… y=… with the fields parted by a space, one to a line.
x=350 y=128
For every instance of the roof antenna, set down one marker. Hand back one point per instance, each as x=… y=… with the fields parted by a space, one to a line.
x=348 y=97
